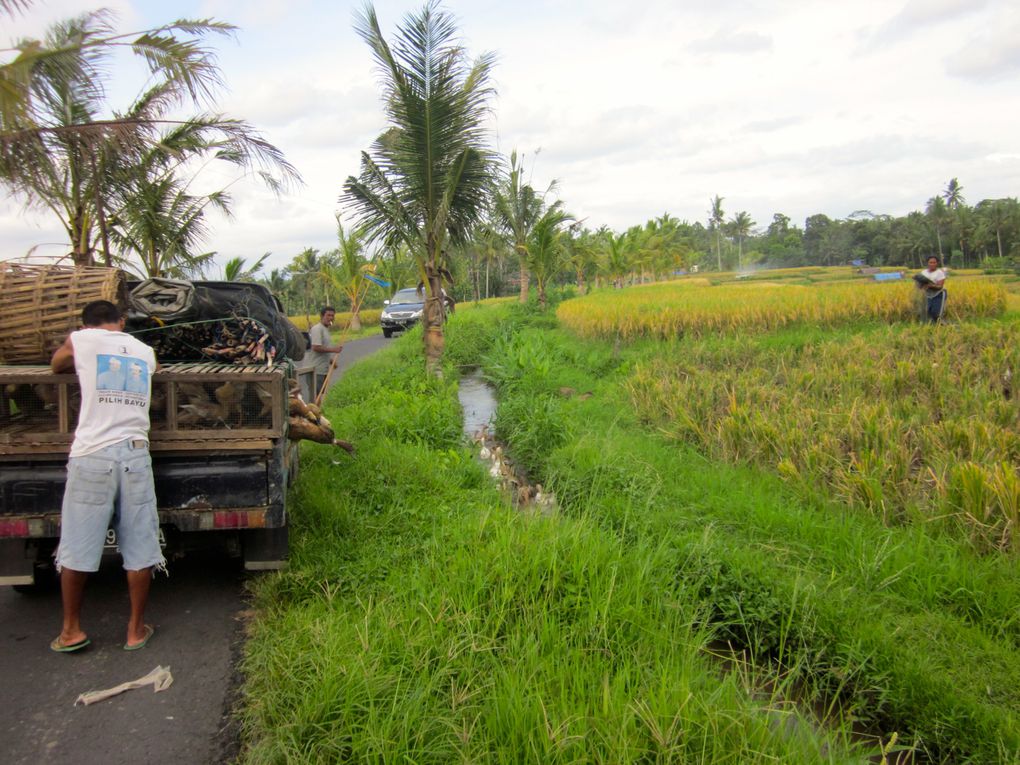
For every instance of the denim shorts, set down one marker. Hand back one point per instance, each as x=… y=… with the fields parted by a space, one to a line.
x=110 y=488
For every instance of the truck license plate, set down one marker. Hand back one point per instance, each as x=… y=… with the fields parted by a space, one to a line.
x=111 y=540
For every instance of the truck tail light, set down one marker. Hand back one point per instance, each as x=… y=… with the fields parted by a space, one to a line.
x=14 y=528
x=239 y=519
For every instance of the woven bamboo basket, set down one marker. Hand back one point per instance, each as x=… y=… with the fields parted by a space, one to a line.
x=40 y=305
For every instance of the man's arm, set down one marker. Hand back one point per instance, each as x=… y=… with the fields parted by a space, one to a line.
x=321 y=348
x=327 y=348
x=63 y=357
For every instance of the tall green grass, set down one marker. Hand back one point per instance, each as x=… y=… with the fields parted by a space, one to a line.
x=424 y=620
x=901 y=629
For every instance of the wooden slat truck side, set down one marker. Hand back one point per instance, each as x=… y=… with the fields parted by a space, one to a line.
x=221 y=462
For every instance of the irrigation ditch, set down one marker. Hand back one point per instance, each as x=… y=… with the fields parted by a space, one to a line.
x=787 y=703
x=478 y=402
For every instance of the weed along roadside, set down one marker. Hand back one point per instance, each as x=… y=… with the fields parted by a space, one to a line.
x=423 y=618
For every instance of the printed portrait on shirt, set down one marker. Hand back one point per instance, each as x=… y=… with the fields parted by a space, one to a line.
x=122 y=373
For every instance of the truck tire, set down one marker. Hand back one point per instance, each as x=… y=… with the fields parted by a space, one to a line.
x=387 y=333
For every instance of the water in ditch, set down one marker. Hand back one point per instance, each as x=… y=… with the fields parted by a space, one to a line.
x=478 y=401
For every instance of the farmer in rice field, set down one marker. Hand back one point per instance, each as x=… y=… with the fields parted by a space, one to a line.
x=322 y=348
x=109 y=472
x=932 y=282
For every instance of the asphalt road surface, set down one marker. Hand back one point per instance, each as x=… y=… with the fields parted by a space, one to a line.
x=355 y=350
x=199 y=613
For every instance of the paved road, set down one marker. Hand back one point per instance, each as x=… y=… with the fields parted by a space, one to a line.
x=357 y=349
x=199 y=613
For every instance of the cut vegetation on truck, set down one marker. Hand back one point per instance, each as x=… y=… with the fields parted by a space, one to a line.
x=228 y=405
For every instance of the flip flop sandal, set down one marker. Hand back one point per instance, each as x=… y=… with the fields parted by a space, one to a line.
x=149 y=632
x=60 y=647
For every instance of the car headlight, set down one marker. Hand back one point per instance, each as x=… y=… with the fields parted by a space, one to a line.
x=416 y=314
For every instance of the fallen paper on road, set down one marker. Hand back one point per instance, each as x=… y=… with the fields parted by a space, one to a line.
x=160 y=679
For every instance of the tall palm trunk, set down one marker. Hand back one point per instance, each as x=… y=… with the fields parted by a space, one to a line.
x=432 y=316
x=475 y=275
x=525 y=275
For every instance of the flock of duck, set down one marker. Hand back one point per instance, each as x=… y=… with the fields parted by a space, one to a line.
x=512 y=481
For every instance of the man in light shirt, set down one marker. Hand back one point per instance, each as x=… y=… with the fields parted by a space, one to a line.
x=323 y=349
x=109 y=472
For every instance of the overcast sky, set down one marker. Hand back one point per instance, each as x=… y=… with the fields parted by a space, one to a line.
x=792 y=106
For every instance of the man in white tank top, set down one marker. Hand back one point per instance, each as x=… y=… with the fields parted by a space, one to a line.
x=109 y=472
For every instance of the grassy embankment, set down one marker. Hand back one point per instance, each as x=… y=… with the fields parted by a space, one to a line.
x=423 y=620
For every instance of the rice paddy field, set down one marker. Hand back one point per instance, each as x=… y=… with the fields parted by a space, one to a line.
x=689 y=308
x=369 y=318
x=794 y=541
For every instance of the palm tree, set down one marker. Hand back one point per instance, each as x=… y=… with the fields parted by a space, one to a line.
x=304 y=272
x=237 y=270
x=347 y=274
x=740 y=228
x=617 y=257
x=996 y=215
x=517 y=208
x=395 y=265
x=58 y=151
x=953 y=194
x=278 y=284
x=715 y=222
x=491 y=249
x=161 y=224
x=546 y=251
x=955 y=202
x=582 y=249
x=426 y=180
x=936 y=211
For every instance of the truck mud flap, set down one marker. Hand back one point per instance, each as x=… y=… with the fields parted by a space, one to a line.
x=17 y=566
x=264 y=549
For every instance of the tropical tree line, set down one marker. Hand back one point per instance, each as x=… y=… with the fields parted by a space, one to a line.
x=986 y=234
x=526 y=238
x=432 y=205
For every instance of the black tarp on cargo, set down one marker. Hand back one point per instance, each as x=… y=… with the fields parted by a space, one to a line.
x=202 y=305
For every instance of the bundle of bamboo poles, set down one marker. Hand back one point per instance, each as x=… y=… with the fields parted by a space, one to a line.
x=41 y=304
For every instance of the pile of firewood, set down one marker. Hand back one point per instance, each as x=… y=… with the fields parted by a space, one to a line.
x=234 y=340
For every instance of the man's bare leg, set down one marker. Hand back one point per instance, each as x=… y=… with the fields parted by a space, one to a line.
x=72 y=591
x=138 y=591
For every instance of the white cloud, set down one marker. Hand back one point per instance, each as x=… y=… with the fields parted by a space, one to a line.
x=638 y=109
x=732 y=41
x=993 y=53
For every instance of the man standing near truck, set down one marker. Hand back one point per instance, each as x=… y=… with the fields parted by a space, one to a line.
x=323 y=349
x=109 y=472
